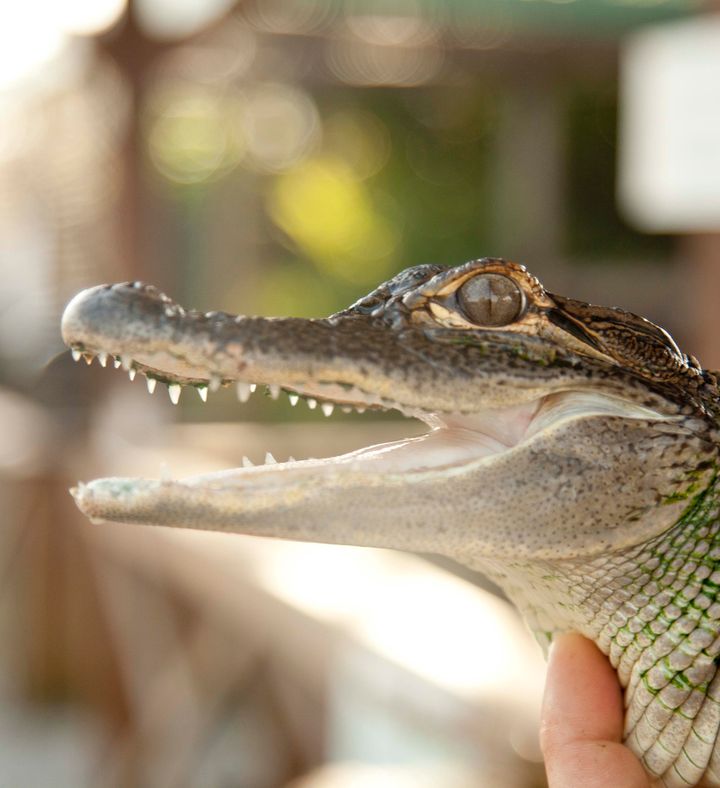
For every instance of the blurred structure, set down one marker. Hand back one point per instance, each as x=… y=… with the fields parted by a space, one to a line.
x=671 y=159
x=274 y=157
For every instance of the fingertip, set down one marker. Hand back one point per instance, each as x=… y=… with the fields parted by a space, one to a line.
x=583 y=699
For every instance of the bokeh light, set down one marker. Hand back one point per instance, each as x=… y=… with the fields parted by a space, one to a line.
x=281 y=125
x=387 y=45
x=360 y=138
x=408 y=29
x=358 y=62
x=194 y=137
x=280 y=16
x=329 y=214
x=178 y=18
x=227 y=56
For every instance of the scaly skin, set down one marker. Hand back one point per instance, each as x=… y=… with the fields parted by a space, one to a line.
x=572 y=456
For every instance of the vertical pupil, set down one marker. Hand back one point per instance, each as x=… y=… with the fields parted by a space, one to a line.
x=490 y=299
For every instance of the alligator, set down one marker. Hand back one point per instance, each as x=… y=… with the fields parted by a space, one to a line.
x=571 y=455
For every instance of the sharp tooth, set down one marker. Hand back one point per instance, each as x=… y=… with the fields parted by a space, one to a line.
x=131 y=374
x=312 y=403
x=346 y=409
x=214 y=383
x=269 y=459
x=247 y=462
x=202 y=391
x=88 y=358
x=76 y=354
x=291 y=459
x=243 y=391
x=327 y=408
x=274 y=390
x=360 y=409
x=293 y=399
x=103 y=358
x=174 y=390
x=116 y=362
x=126 y=362
x=151 y=383
x=253 y=387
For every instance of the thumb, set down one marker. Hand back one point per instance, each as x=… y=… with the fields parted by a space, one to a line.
x=582 y=721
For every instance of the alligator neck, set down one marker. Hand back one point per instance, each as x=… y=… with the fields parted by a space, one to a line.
x=638 y=603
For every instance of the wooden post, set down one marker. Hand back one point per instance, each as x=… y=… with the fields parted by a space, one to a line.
x=701 y=261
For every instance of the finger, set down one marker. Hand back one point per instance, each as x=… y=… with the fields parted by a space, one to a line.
x=582 y=721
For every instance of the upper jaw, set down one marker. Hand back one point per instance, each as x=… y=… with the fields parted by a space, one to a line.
x=349 y=359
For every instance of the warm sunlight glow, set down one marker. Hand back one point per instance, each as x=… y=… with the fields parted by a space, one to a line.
x=28 y=40
x=32 y=33
x=433 y=624
x=85 y=17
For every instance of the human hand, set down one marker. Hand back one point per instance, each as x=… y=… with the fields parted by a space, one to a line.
x=582 y=721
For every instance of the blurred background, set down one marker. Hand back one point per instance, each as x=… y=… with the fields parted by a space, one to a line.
x=272 y=157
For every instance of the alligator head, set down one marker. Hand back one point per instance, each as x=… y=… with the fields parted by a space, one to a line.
x=539 y=408
x=569 y=446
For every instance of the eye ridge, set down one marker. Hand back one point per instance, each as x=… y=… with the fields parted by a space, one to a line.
x=491 y=300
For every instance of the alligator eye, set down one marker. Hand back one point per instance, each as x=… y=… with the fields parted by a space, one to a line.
x=491 y=300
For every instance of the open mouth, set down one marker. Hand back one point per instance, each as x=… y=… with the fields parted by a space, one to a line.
x=487 y=407
x=452 y=439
